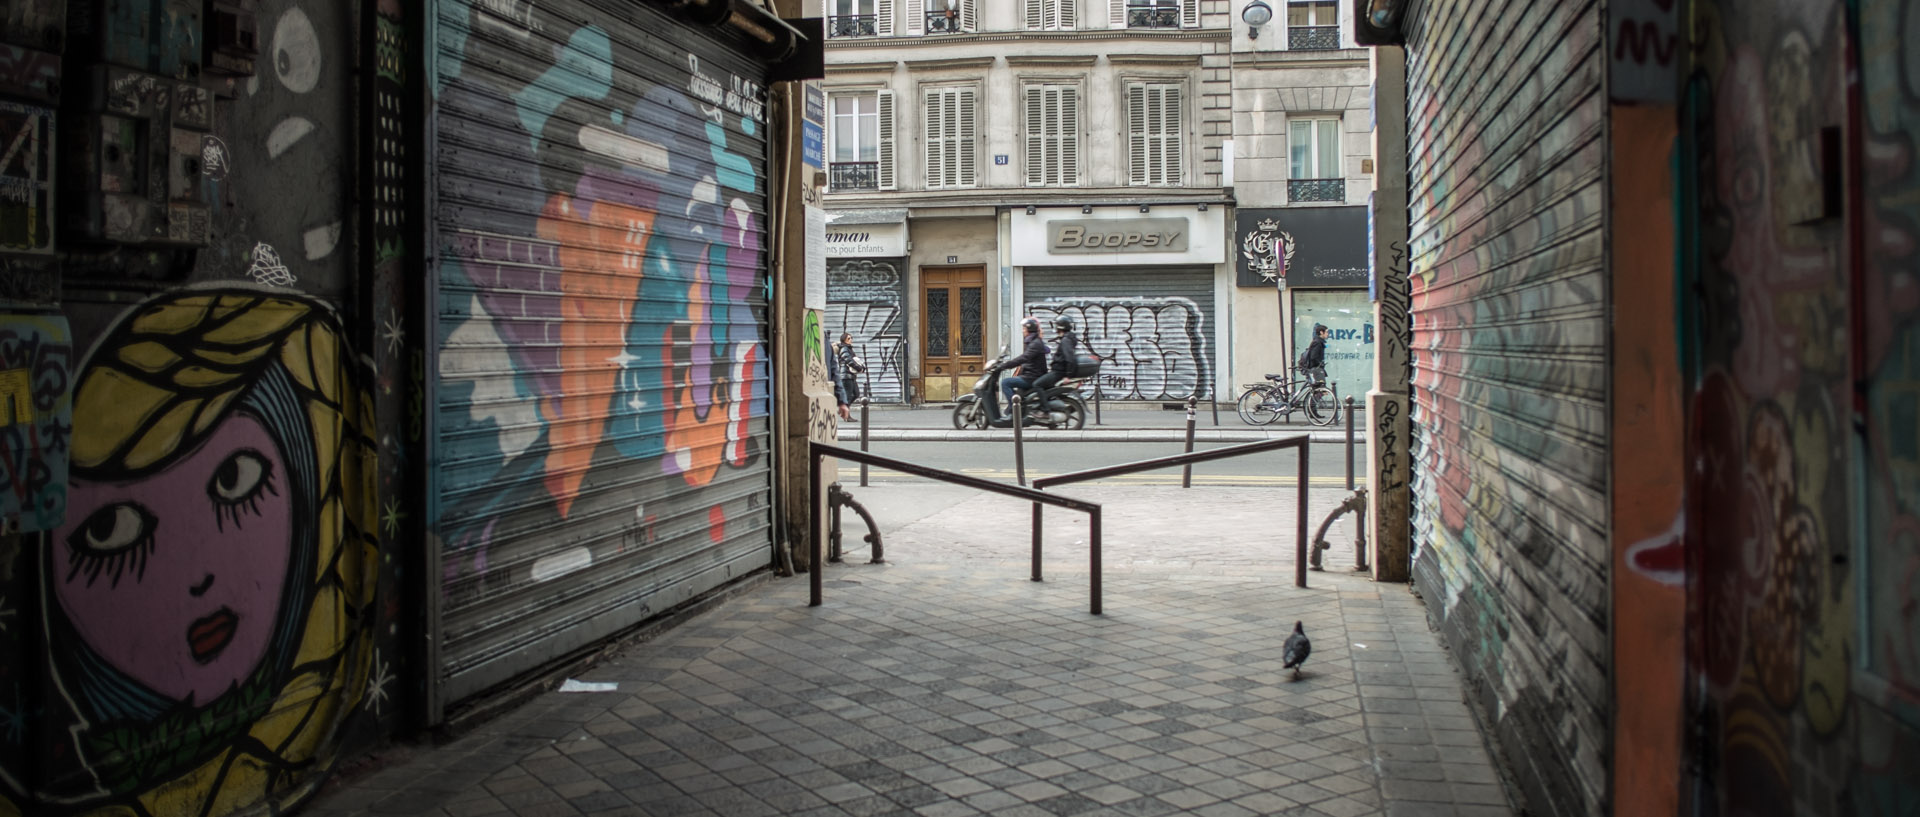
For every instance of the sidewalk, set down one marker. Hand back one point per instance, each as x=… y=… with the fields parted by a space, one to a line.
x=1116 y=422
x=944 y=682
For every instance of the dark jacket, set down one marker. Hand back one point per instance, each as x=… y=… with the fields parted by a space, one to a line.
x=839 y=384
x=1032 y=361
x=1316 y=356
x=1064 y=353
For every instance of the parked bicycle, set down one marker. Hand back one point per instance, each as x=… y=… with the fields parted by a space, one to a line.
x=1282 y=395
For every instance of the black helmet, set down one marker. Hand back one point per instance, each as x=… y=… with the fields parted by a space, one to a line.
x=1031 y=324
x=1063 y=323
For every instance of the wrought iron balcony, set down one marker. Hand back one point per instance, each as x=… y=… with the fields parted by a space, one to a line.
x=1153 y=16
x=1299 y=190
x=1313 y=38
x=853 y=25
x=853 y=176
x=943 y=22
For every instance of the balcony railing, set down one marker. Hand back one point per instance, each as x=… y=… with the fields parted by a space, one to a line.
x=1153 y=16
x=853 y=176
x=1313 y=38
x=853 y=25
x=1299 y=190
x=946 y=21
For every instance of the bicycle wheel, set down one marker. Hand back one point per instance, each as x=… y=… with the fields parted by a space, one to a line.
x=1323 y=408
x=1256 y=406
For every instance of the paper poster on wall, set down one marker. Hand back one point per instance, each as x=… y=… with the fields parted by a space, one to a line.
x=816 y=295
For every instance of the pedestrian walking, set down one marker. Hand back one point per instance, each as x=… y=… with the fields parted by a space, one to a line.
x=851 y=366
x=1313 y=361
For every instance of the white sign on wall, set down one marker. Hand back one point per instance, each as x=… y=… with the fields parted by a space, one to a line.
x=816 y=295
x=866 y=240
x=1165 y=234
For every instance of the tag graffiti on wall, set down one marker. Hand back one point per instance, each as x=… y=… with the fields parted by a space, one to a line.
x=36 y=419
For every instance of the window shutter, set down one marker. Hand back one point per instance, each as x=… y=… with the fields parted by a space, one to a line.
x=886 y=140
x=1116 y=13
x=968 y=13
x=1036 y=136
x=964 y=137
x=936 y=131
x=1171 y=135
x=916 y=17
x=1069 y=130
x=1035 y=12
x=883 y=18
x=1136 y=134
x=1189 y=13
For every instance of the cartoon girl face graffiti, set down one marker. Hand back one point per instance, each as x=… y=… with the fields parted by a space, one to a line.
x=175 y=579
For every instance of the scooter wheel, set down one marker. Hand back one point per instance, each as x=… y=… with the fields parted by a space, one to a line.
x=969 y=415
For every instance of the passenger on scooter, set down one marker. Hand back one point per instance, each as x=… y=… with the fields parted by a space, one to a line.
x=1032 y=363
x=1066 y=351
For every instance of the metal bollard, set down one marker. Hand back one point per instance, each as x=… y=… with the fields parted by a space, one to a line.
x=1186 y=471
x=1096 y=401
x=863 y=438
x=1019 y=444
x=1213 y=399
x=1349 y=443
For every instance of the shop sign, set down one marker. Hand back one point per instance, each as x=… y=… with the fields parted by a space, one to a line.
x=866 y=240
x=1301 y=247
x=1137 y=235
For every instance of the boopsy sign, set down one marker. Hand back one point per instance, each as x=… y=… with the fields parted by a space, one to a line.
x=1137 y=235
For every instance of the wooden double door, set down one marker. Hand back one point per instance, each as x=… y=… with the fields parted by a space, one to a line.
x=952 y=330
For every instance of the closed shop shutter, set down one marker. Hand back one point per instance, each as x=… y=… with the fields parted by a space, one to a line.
x=864 y=299
x=601 y=388
x=1153 y=326
x=1509 y=418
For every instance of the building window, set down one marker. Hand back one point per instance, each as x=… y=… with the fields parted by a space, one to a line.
x=1153 y=13
x=861 y=155
x=1049 y=15
x=950 y=119
x=1053 y=136
x=854 y=18
x=1153 y=134
x=1313 y=26
x=941 y=16
x=1313 y=160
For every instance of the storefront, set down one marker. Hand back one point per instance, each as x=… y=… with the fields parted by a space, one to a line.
x=867 y=295
x=1316 y=258
x=1142 y=284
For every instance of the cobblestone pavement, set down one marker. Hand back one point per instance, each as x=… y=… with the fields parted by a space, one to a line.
x=945 y=682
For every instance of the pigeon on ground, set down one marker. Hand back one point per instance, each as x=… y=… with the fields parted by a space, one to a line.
x=1295 y=652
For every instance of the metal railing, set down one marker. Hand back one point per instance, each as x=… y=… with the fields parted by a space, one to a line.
x=1313 y=38
x=1301 y=442
x=1299 y=190
x=818 y=451
x=1153 y=17
x=946 y=21
x=853 y=25
x=853 y=175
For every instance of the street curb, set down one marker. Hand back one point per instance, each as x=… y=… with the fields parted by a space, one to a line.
x=1115 y=435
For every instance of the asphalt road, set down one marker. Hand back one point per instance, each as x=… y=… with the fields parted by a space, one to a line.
x=993 y=459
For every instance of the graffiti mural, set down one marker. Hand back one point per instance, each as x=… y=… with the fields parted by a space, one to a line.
x=864 y=298
x=36 y=419
x=208 y=603
x=1150 y=348
x=602 y=368
x=1802 y=358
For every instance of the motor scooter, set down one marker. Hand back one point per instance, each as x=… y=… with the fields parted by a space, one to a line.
x=1064 y=408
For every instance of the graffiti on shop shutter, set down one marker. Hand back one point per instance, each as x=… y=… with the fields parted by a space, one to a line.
x=1151 y=348
x=863 y=299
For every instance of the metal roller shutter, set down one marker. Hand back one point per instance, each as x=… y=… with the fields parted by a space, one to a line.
x=601 y=382
x=865 y=297
x=1153 y=326
x=1510 y=427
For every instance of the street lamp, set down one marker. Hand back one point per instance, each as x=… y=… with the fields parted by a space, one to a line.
x=1256 y=14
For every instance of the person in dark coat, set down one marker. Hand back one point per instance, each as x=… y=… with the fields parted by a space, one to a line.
x=1066 y=352
x=851 y=366
x=1313 y=362
x=1027 y=367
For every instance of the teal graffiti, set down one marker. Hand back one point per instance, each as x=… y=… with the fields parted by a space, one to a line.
x=453 y=57
x=732 y=169
x=584 y=70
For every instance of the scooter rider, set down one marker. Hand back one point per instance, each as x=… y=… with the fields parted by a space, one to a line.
x=1032 y=363
x=1066 y=351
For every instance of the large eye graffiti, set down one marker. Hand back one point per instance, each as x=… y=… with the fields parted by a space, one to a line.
x=238 y=484
x=116 y=538
x=296 y=52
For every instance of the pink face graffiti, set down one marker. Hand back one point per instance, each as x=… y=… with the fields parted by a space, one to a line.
x=201 y=549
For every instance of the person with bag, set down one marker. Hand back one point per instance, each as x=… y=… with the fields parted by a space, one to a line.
x=851 y=366
x=1313 y=361
x=1066 y=359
